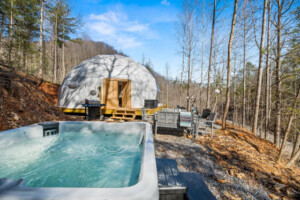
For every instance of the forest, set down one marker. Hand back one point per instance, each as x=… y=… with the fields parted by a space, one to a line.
x=246 y=52
x=37 y=37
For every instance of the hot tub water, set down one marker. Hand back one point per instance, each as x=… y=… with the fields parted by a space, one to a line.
x=74 y=159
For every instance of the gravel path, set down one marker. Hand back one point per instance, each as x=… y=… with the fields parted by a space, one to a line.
x=193 y=157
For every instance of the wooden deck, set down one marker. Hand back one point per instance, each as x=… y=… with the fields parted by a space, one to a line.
x=180 y=185
x=126 y=114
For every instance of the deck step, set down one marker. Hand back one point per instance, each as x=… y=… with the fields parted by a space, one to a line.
x=124 y=114
x=123 y=118
x=197 y=189
x=180 y=185
x=170 y=186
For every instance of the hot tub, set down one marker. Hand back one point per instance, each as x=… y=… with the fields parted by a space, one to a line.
x=78 y=160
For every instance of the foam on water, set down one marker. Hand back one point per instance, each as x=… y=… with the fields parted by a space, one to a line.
x=74 y=160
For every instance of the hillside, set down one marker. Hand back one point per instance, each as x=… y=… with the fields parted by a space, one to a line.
x=234 y=164
x=26 y=100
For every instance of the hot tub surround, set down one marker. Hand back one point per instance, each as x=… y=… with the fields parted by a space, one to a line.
x=145 y=188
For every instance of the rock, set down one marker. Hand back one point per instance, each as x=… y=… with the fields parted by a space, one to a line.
x=261 y=176
x=109 y=120
x=278 y=187
x=228 y=195
x=291 y=193
x=241 y=176
x=222 y=181
x=15 y=116
x=232 y=172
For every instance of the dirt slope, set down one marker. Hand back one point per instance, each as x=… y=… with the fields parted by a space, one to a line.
x=26 y=100
x=234 y=164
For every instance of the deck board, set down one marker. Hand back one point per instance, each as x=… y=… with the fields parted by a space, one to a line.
x=170 y=177
x=197 y=189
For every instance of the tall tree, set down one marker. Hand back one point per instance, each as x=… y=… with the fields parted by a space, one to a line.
x=68 y=26
x=55 y=66
x=167 y=77
x=10 y=31
x=244 y=64
x=267 y=90
x=289 y=125
x=278 y=76
x=189 y=22
x=260 y=68
x=41 y=67
x=229 y=65
x=210 y=54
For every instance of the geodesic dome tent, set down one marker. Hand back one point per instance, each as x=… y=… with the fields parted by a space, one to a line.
x=115 y=80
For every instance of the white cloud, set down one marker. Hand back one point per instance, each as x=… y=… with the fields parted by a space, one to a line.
x=127 y=42
x=102 y=28
x=115 y=28
x=165 y=2
x=106 y=17
x=137 y=28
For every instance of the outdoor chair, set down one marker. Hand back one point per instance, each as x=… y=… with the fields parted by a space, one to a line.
x=205 y=113
x=206 y=123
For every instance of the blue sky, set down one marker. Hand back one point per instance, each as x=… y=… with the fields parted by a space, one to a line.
x=137 y=27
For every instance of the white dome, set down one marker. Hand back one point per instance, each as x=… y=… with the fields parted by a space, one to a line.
x=84 y=80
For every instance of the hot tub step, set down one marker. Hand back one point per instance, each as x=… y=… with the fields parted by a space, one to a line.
x=180 y=185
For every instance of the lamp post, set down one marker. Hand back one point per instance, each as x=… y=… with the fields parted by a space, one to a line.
x=217 y=91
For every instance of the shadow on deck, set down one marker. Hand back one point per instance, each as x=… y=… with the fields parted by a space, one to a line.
x=175 y=185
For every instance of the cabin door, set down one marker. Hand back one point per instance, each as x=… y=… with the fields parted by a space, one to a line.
x=116 y=93
x=126 y=94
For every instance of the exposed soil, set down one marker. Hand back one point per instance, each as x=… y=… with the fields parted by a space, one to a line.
x=26 y=100
x=234 y=164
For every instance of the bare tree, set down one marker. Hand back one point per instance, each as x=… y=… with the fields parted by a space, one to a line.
x=293 y=159
x=229 y=65
x=10 y=32
x=210 y=54
x=260 y=68
x=41 y=68
x=55 y=49
x=267 y=95
x=167 y=77
x=282 y=8
x=288 y=128
x=244 y=65
x=188 y=21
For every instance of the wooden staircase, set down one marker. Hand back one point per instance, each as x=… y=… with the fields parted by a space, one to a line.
x=125 y=114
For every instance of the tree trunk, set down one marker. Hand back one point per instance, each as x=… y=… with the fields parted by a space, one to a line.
x=55 y=51
x=278 y=79
x=202 y=53
x=10 y=32
x=63 y=69
x=293 y=159
x=1 y=32
x=234 y=120
x=260 y=68
x=288 y=128
x=189 y=70
x=244 y=71
x=181 y=75
x=296 y=144
x=267 y=112
x=41 y=67
x=210 y=56
x=229 y=66
x=24 y=58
